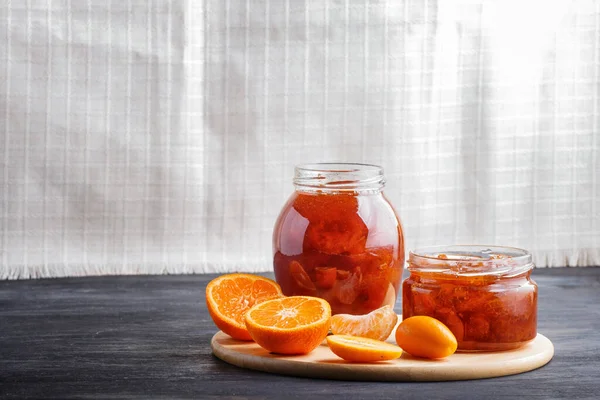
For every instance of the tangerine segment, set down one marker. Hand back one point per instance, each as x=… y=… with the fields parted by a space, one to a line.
x=325 y=277
x=230 y=296
x=359 y=349
x=424 y=336
x=378 y=324
x=289 y=325
x=301 y=278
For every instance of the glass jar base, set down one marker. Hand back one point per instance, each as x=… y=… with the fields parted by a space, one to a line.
x=478 y=347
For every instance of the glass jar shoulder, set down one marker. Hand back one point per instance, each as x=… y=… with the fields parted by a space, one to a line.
x=352 y=222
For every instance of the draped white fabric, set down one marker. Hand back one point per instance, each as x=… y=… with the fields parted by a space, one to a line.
x=160 y=136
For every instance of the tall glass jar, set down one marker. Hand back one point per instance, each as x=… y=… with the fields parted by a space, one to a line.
x=339 y=238
x=484 y=294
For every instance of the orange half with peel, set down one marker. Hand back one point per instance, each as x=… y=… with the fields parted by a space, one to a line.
x=359 y=349
x=230 y=296
x=289 y=325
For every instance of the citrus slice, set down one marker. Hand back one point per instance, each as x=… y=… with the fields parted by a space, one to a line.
x=301 y=278
x=347 y=290
x=289 y=325
x=229 y=297
x=378 y=324
x=359 y=349
x=423 y=336
x=325 y=277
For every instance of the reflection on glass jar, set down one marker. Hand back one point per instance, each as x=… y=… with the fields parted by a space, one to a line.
x=484 y=294
x=339 y=238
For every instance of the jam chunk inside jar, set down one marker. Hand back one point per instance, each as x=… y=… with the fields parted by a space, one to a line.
x=339 y=238
x=484 y=294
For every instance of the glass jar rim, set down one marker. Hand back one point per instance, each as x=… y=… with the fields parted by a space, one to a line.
x=339 y=177
x=470 y=260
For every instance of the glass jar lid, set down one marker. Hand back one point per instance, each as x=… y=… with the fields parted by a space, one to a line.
x=471 y=260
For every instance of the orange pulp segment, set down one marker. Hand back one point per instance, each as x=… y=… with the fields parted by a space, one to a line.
x=378 y=324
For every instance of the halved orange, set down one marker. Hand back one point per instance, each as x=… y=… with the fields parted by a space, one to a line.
x=378 y=324
x=289 y=325
x=230 y=296
x=359 y=349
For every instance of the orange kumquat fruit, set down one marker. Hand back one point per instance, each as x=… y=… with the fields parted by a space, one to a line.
x=423 y=336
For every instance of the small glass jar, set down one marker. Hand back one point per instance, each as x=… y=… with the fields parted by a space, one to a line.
x=339 y=238
x=484 y=294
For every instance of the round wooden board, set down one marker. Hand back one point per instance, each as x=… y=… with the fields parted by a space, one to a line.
x=322 y=363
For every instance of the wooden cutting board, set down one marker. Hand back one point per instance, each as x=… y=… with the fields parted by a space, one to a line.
x=322 y=363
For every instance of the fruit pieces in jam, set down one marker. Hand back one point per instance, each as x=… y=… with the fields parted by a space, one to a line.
x=328 y=249
x=484 y=312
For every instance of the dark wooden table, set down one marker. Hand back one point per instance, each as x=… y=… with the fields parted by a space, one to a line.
x=148 y=337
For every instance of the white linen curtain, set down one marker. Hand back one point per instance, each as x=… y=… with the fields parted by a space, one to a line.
x=159 y=136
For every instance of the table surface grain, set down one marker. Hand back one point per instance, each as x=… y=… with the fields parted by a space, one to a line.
x=149 y=337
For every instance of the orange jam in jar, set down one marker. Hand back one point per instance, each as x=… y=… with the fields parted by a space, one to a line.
x=484 y=294
x=339 y=238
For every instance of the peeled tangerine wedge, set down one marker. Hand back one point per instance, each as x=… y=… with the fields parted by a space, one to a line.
x=358 y=349
x=230 y=296
x=289 y=325
x=378 y=324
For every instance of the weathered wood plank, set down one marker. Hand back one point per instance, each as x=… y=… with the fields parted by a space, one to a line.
x=148 y=337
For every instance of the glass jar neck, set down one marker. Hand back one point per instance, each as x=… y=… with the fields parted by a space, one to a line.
x=471 y=261
x=339 y=178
